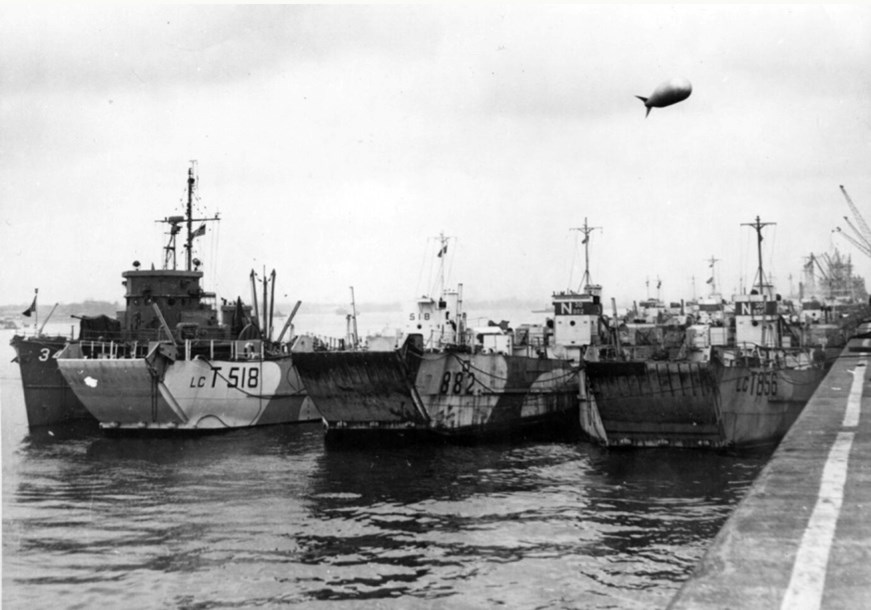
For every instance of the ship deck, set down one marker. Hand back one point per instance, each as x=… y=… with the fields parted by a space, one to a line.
x=801 y=538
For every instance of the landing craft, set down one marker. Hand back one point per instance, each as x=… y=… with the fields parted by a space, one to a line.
x=667 y=93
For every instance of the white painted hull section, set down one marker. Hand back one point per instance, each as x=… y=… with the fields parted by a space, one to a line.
x=189 y=394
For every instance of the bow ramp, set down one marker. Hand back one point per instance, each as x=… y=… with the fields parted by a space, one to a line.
x=371 y=390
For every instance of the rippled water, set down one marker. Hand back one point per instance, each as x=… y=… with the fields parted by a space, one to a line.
x=273 y=517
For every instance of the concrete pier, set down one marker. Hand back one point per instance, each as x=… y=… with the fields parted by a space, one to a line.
x=801 y=538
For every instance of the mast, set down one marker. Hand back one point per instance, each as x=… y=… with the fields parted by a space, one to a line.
x=271 y=304
x=264 y=327
x=189 y=244
x=586 y=280
x=189 y=220
x=169 y=248
x=758 y=226
x=461 y=327
x=713 y=281
x=254 y=298
x=443 y=250
x=353 y=331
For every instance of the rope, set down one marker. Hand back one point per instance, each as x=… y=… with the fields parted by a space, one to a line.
x=467 y=365
x=490 y=375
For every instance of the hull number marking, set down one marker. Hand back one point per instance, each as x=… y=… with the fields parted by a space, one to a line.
x=45 y=354
x=236 y=377
x=457 y=383
x=758 y=383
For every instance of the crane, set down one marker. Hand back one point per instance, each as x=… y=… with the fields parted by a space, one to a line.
x=861 y=237
x=863 y=248
x=814 y=259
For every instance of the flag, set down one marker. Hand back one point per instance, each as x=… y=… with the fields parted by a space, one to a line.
x=30 y=309
x=586 y=239
x=199 y=232
x=710 y=280
x=443 y=251
x=659 y=284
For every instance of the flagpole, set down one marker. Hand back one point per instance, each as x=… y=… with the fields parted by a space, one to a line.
x=35 y=308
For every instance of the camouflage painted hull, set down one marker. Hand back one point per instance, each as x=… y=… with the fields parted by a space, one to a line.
x=693 y=404
x=157 y=394
x=447 y=394
x=496 y=394
x=363 y=390
x=48 y=398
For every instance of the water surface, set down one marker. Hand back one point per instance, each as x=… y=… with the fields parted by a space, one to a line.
x=274 y=517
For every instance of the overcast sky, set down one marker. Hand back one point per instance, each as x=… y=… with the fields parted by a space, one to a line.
x=337 y=143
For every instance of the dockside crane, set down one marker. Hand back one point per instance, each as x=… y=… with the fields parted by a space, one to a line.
x=810 y=268
x=861 y=237
x=864 y=249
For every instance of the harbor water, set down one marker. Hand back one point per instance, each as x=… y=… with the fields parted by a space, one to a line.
x=274 y=517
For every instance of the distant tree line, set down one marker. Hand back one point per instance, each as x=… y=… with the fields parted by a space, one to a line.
x=64 y=310
x=91 y=307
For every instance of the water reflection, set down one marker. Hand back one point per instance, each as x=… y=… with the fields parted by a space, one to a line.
x=274 y=516
x=624 y=520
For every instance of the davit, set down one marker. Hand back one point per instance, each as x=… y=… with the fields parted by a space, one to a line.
x=667 y=93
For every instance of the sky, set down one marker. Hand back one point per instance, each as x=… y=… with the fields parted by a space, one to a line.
x=338 y=143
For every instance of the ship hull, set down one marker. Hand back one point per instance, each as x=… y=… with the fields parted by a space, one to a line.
x=693 y=404
x=439 y=395
x=758 y=406
x=496 y=395
x=148 y=394
x=48 y=398
x=363 y=390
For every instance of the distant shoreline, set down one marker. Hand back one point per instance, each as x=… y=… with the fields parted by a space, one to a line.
x=96 y=308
